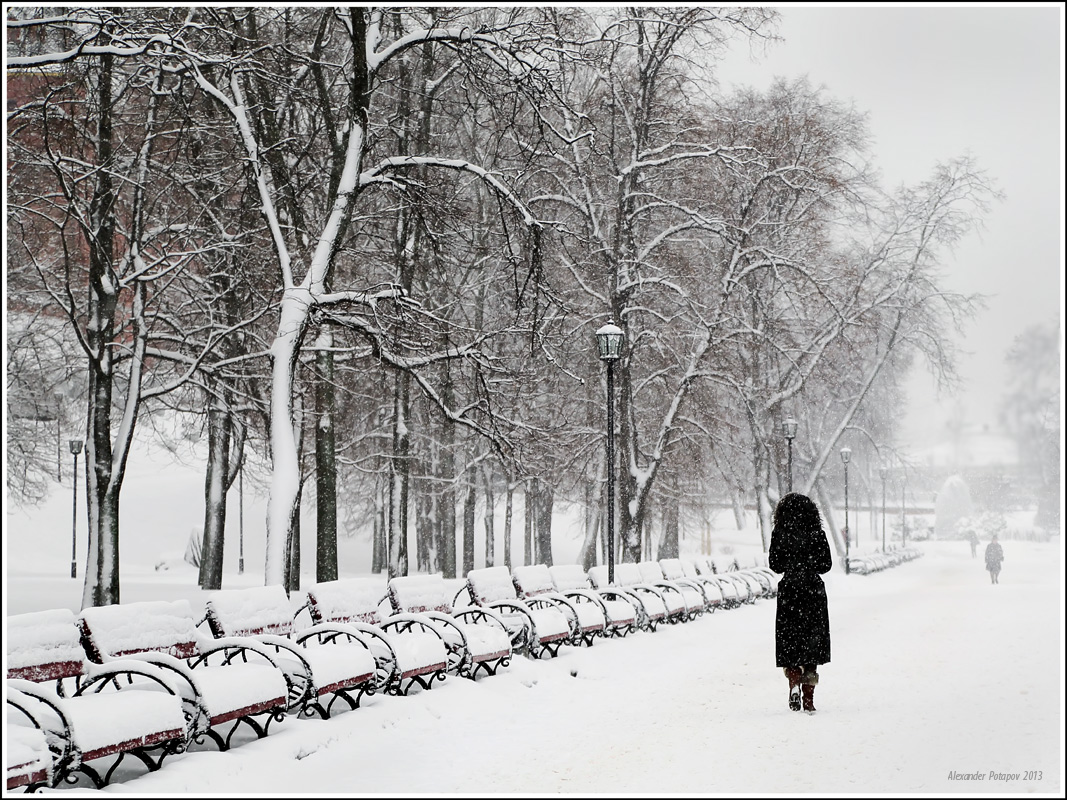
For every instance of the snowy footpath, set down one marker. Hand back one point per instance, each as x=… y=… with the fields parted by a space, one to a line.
x=940 y=683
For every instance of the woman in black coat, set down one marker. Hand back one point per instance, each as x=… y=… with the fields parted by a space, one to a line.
x=802 y=625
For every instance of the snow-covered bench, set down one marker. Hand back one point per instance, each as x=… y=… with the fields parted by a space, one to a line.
x=694 y=601
x=28 y=761
x=875 y=562
x=317 y=669
x=235 y=679
x=711 y=586
x=735 y=590
x=754 y=582
x=477 y=638
x=538 y=625
x=89 y=714
x=622 y=611
x=653 y=600
x=407 y=650
x=589 y=617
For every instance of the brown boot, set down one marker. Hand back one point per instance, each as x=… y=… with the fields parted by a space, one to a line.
x=809 y=697
x=793 y=674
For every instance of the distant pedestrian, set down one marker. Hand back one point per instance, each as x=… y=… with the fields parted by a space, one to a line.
x=800 y=551
x=994 y=554
x=972 y=537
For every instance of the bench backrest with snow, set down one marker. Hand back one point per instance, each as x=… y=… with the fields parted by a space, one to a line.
x=92 y=715
x=538 y=625
x=711 y=587
x=321 y=675
x=622 y=612
x=589 y=616
x=684 y=601
x=477 y=638
x=628 y=580
x=734 y=589
x=695 y=591
x=408 y=651
x=235 y=679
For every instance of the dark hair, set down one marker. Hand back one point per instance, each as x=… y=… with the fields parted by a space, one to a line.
x=796 y=511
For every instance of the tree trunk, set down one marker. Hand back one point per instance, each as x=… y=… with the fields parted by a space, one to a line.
x=469 y=501
x=102 y=570
x=325 y=464
x=831 y=525
x=379 y=549
x=509 y=507
x=490 y=501
x=528 y=523
x=292 y=548
x=398 y=488
x=669 y=544
x=445 y=533
x=219 y=426
x=587 y=553
x=426 y=500
x=546 y=497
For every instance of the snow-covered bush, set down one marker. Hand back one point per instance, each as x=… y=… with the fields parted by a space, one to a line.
x=984 y=524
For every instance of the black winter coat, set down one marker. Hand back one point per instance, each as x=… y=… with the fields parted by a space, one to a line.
x=802 y=622
x=994 y=554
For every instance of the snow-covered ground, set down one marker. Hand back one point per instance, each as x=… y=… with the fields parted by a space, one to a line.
x=935 y=673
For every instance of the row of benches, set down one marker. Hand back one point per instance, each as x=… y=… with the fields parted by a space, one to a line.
x=150 y=679
x=875 y=562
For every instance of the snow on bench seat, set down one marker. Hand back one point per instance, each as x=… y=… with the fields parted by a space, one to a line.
x=93 y=711
x=538 y=625
x=535 y=580
x=230 y=679
x=44 y=645
x=408 y=652
x=622 y=610
x=712 y=590
x=265 y=614
x=734 y=591
x=476 y=637
x=678 y=606
x=628 y=579
x=684 y=601
x=27 y=759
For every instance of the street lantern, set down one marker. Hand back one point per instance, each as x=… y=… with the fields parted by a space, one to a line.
x=882 y=471
x=75 y=446
x=789 y=430
x=609 y=339
x=846 y=456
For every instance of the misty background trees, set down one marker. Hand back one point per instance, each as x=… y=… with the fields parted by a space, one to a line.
x=369 y=247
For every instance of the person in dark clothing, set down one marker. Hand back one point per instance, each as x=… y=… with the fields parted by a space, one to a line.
x=972 y=537
x=800 y=551
x=994 y=554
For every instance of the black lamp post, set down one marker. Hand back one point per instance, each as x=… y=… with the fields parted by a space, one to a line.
x=903 y=511
x=846 y=456
x=75 y=448
x=789 y=430
x=882 y=472
x=609 y=343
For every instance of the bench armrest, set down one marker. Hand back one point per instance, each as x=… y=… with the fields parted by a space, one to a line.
x=232 y=648
x=561 y=604
x=98 y=676
x=180 y=674
x=43 y=707
x=385 y=666
x=522 y=638
x=456 y=644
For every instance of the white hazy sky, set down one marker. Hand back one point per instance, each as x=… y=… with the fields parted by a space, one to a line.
x=938 y=82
